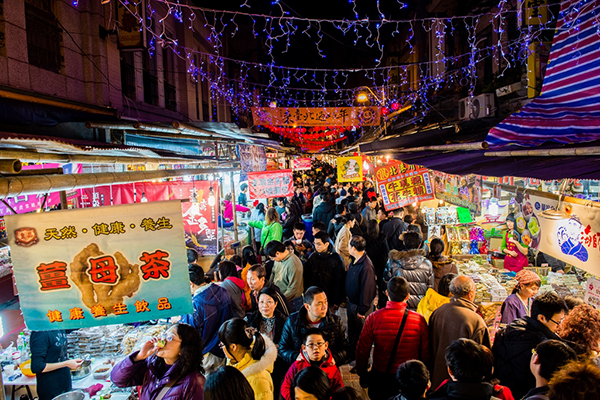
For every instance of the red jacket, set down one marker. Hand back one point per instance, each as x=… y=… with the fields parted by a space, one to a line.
x=381 y=328
x=328 y=366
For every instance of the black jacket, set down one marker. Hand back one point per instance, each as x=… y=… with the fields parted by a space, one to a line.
x=256 y=317
x=464 y=391
x=324 y=213
x=334 y=227
x=360 y=284
x=392 y=230
x=327 y=271
x=415 y=268
x=288 y=225
x=283 y=305
x=297 y=324
x=377 y=250
x=512 y=353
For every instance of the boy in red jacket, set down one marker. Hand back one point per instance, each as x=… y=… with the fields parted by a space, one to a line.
x=314 y=353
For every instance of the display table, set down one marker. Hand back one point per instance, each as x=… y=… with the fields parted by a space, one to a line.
x=27 y=383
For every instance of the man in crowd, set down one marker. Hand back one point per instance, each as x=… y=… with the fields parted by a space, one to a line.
x=302 y=247
x=287 y=272
x=325 y=211
x=325 y=268
x=394 y=228
x=212 y=307
x=468 y=366
x=547 y=359
x=314 y=314
x=369 y=211
x=335 y=225
x=360 y=289
x=243 y=198
x=381 y=328
x=513 y=345
x=382 y=217
x=257 y=280
x=452 y=321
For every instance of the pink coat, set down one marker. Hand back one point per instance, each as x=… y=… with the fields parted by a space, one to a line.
x=228 y=211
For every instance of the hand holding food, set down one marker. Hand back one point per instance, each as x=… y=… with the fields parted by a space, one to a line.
x=148 y=349
x=74 y=364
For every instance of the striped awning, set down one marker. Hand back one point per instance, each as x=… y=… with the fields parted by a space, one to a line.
x=568 y=110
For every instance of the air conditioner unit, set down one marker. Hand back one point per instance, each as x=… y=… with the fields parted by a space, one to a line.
x=476 y=107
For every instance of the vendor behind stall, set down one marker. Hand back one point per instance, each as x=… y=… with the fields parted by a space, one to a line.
x=50 y=364
x=515 y=250
x=518 y=304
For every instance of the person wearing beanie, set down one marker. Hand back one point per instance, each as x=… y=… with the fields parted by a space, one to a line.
x=518 y=304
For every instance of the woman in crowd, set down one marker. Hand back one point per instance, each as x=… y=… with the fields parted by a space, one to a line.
x=258 y=214
x=231 y=282
x=575 y=381
x=518 y=304
x=291 y=217
x=377 y=250
x=343 y=238
x=434 y=300
x=311 y=384
x=516 y=252
x=581 y=327
x=250 y=352
x=227 y=383
x=271 y=228
x=170 y=367
x=442 y=265
x=228 y=210
x=248 y=260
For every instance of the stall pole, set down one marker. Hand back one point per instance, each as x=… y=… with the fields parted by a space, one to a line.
x=235 y=223
x=222 y=215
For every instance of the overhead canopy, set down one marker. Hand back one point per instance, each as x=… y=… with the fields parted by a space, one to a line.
x=568 y=111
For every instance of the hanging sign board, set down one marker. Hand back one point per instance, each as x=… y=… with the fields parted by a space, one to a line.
x=252 y=159
x=267 y=184
x=401 y=184
x=592 y=292
x=316 y=116
x=463 y=191
x=349 y=169
x=100 y=266
x=301 y=163
x=131 y=36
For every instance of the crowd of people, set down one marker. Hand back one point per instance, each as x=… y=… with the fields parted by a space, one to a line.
x=268 y=324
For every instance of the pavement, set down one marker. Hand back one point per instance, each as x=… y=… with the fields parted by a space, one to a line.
x=348 y=378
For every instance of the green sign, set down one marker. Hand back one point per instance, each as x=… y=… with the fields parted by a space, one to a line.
x=464 y=215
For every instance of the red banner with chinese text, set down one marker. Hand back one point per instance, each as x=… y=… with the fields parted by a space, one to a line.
x=268 y=184
x=401 y=184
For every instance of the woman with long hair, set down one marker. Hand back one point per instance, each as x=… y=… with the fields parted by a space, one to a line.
x=170 y=366
x=291 y=217
x=248 y=260
x=442 y=265
x=271 y=228
x=311 y=384
x=252 y=353
x=515 y=250
x=581 y=327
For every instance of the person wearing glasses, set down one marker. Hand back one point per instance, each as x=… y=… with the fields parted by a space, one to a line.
x=315 y=352
x=169 y=366
x=513 y=345
x=252 y=353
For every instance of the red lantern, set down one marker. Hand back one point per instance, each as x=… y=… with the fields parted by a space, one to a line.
x=395 y=106
x=385 y=111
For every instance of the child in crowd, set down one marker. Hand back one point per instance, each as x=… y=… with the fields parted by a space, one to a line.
x=314 y=353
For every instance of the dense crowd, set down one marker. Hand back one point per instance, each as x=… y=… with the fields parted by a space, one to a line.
x=267 y=324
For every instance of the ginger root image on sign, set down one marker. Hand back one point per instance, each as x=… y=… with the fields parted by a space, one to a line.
x=103 y=279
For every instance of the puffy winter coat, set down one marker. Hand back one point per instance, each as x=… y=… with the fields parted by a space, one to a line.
x=381 y=328
x=324 y=213
x=415 y=268
x=341 y=245
x=431 y=302
x=258 y=372
x=441 y=267
x=152 y=374
x=327 y=271
x=296 y=326
x=512 y=353
x=327 y=365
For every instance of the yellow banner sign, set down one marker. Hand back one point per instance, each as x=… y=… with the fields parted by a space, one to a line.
x=317 y=116
x=131 y=35
x=350 y=169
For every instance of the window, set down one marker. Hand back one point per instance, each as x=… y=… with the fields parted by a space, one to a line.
x=127 y=74
x=150 y=74
x=44 y=37
x=169 y=78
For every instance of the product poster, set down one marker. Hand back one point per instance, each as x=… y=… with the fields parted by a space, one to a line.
x=350 y=169
x=252 y=159
x=401 y=184
x=263 y=185
x=527 y=215
x=592 y=292
x=100 y=266
x=301 y=163
x=463 y=191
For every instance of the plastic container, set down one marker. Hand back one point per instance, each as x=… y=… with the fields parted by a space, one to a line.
x=308 y=222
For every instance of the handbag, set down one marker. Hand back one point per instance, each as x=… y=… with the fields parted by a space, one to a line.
x=373 y=375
